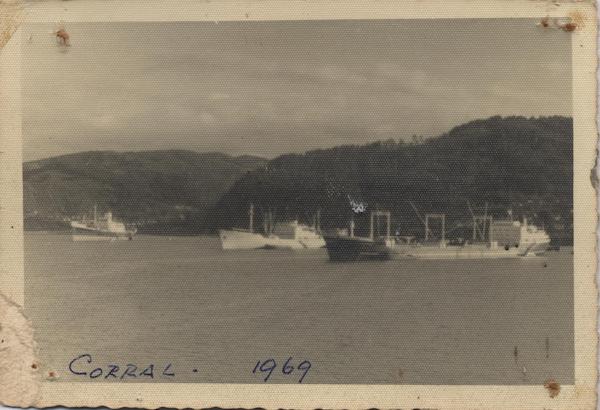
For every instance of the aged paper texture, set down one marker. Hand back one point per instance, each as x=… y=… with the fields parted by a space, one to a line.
x=298 y=204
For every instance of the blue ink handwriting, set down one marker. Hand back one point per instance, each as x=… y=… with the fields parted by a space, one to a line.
x=82 y=366
x=268 y=367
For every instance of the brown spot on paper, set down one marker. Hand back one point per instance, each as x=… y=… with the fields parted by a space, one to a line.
x=19 y=378
x=553 y=387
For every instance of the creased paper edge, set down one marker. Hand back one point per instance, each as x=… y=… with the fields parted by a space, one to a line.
x=11 y=15
x=19 y=369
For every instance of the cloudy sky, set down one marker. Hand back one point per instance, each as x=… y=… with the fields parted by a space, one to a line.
x=267 y=88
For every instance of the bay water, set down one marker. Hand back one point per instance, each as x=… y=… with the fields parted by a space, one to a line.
x=210 y=316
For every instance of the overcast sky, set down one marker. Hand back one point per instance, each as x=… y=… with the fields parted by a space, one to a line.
x=267 y=88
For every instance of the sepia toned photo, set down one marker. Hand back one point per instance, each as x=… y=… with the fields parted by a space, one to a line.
x=251 y=207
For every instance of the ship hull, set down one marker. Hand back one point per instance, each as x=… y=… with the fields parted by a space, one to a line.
x=82 y=234
x=455 y=252
x=296 y=244
x=88 y=237
x=243 y=240
x=344 y=249
x=231 y=240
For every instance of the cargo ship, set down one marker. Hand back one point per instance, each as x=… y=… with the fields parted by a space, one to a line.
x=283 y=235
x=101 y=228
x=504 y=239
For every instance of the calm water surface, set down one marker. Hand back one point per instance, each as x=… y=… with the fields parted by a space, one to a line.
x=182 y=300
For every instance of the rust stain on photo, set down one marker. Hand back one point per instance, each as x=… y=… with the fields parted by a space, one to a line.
x=62 y=37
x=553 y=387
x=52 y=376
x=575 y=20
x=569 y=27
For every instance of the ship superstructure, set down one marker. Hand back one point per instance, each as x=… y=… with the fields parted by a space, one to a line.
x=100 y=228
x=281 y=235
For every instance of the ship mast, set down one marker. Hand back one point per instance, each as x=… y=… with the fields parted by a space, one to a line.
x=268 y=222
x=375 y=215
x=95 y=214
x=423 y=221
x=318 y=221
x=442 y=219
x=482 y=225
x=251 y=218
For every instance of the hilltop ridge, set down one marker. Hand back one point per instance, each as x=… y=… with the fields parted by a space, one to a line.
x=514 y=164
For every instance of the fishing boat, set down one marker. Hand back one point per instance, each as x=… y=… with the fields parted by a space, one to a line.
x=282 y=235
x=100 y=228
x=504 y=239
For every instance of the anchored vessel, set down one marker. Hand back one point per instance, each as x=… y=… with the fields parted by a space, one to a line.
x=283 y=235
x=505 y=239
x=103 y=228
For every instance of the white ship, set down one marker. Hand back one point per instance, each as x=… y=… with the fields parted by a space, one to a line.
x=505 y=239
x=283 y=235
x=103 y=228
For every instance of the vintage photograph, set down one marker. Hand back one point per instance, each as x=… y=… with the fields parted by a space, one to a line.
x=391 y=199
x=334 y=201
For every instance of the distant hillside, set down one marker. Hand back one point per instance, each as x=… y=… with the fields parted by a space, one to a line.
x=514 y=163
x=159 y=190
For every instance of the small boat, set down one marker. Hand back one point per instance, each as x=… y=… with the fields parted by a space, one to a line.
x=283 y=235
x=103 y=228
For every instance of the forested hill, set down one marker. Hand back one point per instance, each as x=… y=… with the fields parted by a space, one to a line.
x=161 y=191
x=516 y=163
x=513 y=163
